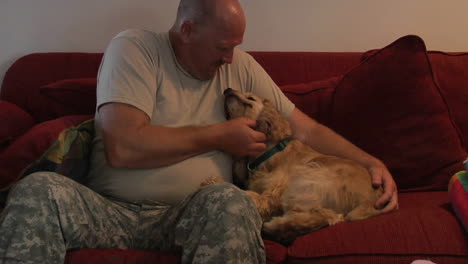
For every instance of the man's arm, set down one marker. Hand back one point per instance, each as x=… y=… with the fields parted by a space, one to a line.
x=130 y=141
x=328 y=142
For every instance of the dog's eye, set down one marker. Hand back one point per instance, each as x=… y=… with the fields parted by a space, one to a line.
x=251 y=98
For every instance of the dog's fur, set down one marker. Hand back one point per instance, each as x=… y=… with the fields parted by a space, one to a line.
x=298 y=190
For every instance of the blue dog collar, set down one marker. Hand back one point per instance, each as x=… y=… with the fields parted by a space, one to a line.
x=251 y=166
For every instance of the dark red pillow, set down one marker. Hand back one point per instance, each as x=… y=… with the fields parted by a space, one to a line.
x=30 y=146
x=313 y=98
x=368 y=54
x=390 y=106
x=450 y=71
x=14 y=122
x=451 y=74
x=73 y=96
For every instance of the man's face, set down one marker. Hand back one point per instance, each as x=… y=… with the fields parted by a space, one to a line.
x=211 y=47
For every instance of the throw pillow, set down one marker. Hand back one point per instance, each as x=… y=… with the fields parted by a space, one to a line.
x=313 y=98
x=458 y=196
x=68 y=155
x=390 y=106
x=31 y=146
x=368 y=54
x=14 y=122
x=74 y=96
x=451 y=71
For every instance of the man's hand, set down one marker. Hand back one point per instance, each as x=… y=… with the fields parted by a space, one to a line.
x=240 y=139
x=382 y=177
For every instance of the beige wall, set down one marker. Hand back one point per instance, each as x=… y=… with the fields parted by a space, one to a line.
x=307 y=25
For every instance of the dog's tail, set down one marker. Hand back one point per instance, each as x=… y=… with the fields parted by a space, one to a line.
x=292 y=224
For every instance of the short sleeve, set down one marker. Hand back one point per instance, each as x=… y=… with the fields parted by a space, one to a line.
x=128 y=72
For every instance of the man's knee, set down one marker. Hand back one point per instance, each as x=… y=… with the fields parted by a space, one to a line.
x=35 y=185
x=229 y=198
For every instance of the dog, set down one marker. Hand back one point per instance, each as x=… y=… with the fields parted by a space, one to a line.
x=296 y=189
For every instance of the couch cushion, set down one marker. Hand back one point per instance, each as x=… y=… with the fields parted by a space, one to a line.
x=423 y=227
x=118 y=256
x=451 y=74
x=75 y=95
x=30 y=146
x=390 y=106
x=314 y=98
x=14 y=122
x=276 y=253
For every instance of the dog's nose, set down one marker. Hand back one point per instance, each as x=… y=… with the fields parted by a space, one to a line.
x=228 y=91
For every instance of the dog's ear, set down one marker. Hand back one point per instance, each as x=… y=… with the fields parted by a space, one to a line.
x=272 y=123
x=264 y=126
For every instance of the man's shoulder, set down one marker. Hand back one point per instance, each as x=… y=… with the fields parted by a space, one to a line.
x=142 y=35
x=142 y=41
x=135 y=32
x=242 y=55
x=242 y=59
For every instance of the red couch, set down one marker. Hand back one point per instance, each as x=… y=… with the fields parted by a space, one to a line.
x=401 y=103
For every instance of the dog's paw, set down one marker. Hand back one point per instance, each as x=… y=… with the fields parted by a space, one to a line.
x=211 y=180
x=336 y=219
x=272 y=230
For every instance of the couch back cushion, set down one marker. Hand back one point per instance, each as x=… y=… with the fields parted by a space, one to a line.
x=390 y=106
x=301 y=67
x=34 y=81
x=314 y=98
x=72 y=96
x=451 y=75
x=24 y=78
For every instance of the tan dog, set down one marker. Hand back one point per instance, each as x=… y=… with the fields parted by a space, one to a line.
x=297 y=190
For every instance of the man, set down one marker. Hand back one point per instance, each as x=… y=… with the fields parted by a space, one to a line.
x=160 y=131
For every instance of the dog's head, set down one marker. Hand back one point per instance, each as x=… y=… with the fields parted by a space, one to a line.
x=269 y=120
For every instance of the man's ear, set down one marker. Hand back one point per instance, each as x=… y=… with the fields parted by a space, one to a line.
x=186 y=30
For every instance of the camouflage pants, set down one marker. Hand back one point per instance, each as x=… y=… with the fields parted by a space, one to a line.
x=47 y=214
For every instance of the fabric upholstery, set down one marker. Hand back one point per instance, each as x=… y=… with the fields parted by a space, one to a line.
x=450 y=71
x=391 y=107
x=76 y=93
x=14 y=122
x=276 y=254
x=24 y=90
x=118 y=256
x=30 y=146
x=451 y=74
x=423 y=227
x=304 y=67
x=314 y=98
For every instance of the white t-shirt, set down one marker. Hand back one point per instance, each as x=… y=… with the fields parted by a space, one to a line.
x=139 y=68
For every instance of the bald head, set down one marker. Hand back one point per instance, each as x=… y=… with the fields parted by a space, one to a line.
x=227 y=13
x=205 y=34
